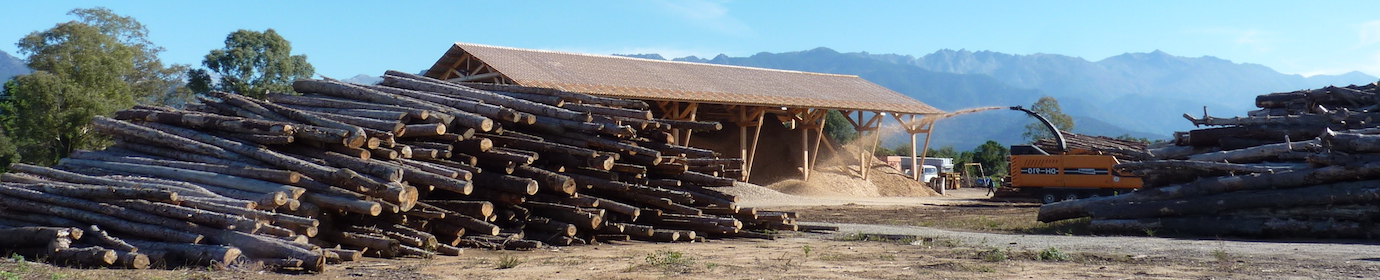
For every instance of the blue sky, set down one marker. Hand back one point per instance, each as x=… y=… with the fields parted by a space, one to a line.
x=346 y=38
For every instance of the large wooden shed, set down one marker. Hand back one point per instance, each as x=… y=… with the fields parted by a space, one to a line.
x=737 y=95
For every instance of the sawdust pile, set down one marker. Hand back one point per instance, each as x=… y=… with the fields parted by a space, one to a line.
x=778 y=160
x=836 y=177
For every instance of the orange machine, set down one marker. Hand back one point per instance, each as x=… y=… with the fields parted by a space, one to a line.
x=1066 y=175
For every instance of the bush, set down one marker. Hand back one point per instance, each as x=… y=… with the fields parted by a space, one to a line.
x=1052 y=254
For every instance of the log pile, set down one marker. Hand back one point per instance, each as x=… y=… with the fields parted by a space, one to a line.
x=1307 y=164
x=1123 y=150
x=412 y=167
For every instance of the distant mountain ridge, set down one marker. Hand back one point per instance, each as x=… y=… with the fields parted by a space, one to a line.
x=1141 y=94
x=11 y=66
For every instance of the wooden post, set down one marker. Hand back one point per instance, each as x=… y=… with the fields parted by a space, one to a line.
x=805 y=153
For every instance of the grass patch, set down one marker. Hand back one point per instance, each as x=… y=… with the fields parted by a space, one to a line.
x=889 y=238
x=670 y=261
x=1011 y=224
x=993 y=254
x=1052 y=255
x=506 y=262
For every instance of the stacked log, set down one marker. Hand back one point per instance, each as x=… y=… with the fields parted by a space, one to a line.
x=412 y=167
x=1307 y=164
x=1124 y=150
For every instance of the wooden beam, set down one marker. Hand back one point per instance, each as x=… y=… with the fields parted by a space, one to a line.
x=463 y=57
x=474 y=77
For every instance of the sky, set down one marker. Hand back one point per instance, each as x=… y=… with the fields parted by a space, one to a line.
x=347 y=38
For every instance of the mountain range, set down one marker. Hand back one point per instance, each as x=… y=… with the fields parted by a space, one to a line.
x=11 y=66
x=1136 y=94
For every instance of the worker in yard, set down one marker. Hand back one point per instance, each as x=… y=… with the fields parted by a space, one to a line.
x=991 y=187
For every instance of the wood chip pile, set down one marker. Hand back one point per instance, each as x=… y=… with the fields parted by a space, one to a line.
x=1307 y=164
x=412 y=167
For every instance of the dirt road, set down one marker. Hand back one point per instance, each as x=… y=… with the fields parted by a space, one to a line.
x=956 y=237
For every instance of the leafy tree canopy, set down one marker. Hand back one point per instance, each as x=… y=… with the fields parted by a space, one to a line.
x=252 y=63
x=95 y=65
x=1047 y=107
x=836 y=126
x=993 y=157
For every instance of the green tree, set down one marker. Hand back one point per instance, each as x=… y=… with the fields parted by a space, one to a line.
x=945 y=151
x=1047 y=107
x=837 y=127
x=1128 y=137
x=993 y=157
x=252 y=63
x=95 y=65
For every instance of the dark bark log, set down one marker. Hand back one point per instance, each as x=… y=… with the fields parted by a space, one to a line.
x=357 y=135
x=192 y=254
x=383 y=170
x=464 y=104
x=209 y=121
x=705 y=179
x=1209 y=186
x=545 y=224
x=547 y=180
x=115 y=127
x=347 y=254
x=103 y=239
x=276 y=218
x=187 y=175
x=438 y=169
x=371 y=208
x=101 y=192
x=328 y=102
x=506 y=183
x=272 y=175
x=209 y=218
x=455 y=90
x=34 y=236
x=692 y=125
x=327 y=174
x=108 y=221
x=423 y=130
x=390 y=115
x=476 y=209
x=1255 y=154
x=392 y=126
x=84 y=257
x=131 y=260
x=339 y=89
x=610 y=111
x=1339 y=193
x=472 y=225
x=582 y=98
x=421 y=177
x=266 y=247
x=568 y=214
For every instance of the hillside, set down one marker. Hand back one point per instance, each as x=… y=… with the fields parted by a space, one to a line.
x=946 y=91
x=11 y=66
x=1141 y=94
x=1117 y=89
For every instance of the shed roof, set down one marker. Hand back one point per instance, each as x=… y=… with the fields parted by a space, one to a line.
x=651 y=79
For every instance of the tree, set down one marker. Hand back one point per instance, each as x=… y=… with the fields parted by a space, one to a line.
x=95 y=65
x=993 y=157
x=1128 y=137
x=836 y=126
x=252 y=63
x=150 y=81
x=1047 y=107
